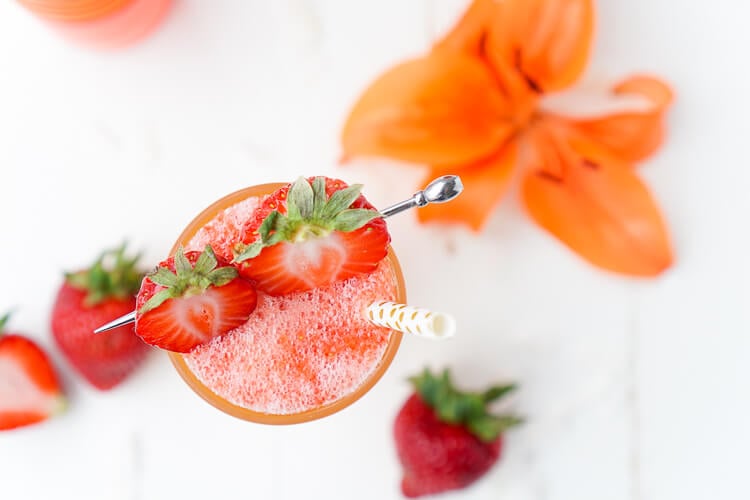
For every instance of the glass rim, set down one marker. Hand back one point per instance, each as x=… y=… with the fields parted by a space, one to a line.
x=178 y=360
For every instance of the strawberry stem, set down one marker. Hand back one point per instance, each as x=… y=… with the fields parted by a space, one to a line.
x=189 y=279
x=310 y=214
x=112 y=275
x=465 y=408
x=3 y=321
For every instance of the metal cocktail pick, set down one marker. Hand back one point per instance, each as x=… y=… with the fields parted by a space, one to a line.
x=440 y=190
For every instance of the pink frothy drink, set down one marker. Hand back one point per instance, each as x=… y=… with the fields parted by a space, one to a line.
x=300 y=356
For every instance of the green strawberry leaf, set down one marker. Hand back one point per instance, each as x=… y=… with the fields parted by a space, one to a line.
x=4 y=321
x=269 y=225
x=488 y=427
x=112 y=275
x=319 y=196
x=340 y=201
x=206 y=261
x=250 y=251
x=353 y=218
x=164 y=277
x=181 y=263
x=310 y=214
x=222 y=275
x=156 y=300
x=497 y=392
x=189 y=278
x=300 y=201
x=464 y=408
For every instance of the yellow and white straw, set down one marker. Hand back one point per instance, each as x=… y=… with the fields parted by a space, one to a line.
x=412 y=320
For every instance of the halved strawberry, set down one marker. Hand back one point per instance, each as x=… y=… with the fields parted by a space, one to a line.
x=191 y=298
x=311 y=234
x=29 y=389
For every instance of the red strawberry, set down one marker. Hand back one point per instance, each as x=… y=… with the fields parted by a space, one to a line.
x=29 y=388
x=190 y=299
x=446 y=439
x=86 y=300
x=311 y=234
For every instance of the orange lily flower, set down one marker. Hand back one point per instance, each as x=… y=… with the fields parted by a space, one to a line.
x=474 y=106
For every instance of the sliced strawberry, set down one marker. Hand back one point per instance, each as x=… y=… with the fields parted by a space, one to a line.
x=311 y=234
x=190 y=299
x=29 y=388
x=288 y=267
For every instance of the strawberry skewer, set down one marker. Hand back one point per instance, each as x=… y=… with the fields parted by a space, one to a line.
x=440 y=190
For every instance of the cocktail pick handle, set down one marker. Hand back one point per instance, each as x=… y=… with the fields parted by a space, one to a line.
x=440 y=190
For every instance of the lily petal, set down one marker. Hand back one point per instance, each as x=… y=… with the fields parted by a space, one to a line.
x=632 y=135
x=484 y=184
x=541 y=152
x=545 y=41
x=469 y=34
x=440 y=109
x=602 y=211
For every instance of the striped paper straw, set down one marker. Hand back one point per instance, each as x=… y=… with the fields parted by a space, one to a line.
x=412 y=320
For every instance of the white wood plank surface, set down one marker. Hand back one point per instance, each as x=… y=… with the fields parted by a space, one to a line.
x=633 y=390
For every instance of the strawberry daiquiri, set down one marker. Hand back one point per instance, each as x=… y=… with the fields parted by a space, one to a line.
x=263 y=305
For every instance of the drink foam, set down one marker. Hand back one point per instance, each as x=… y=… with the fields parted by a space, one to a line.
x=299 y=351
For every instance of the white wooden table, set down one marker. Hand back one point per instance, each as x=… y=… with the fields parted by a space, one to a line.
x=633 y=390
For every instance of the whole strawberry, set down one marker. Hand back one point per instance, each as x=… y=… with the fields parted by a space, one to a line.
x=446 y=439
x=90 y=298
x=29 y=388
